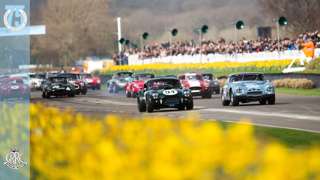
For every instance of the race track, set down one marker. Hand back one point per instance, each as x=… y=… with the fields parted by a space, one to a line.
x=293 y=112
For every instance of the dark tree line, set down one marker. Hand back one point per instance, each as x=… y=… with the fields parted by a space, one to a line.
x=80 y=28
x=303 y=15
x=75 y=29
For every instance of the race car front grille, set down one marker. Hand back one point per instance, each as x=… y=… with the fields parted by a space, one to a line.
x=171 y=100
x=195 y=88
x=255 y=93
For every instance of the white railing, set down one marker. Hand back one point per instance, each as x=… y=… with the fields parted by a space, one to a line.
x=245 y=57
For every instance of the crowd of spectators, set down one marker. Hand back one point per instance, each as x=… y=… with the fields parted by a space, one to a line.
x=224 y=47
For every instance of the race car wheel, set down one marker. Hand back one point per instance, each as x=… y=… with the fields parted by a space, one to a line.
x=207 y=95
x=128 y=94
x=115 y=89
x=233 y=99
x=272 y=101
x=181 y=107
x=263 y=102
x=150 y=106
x=189 y=106
x=71 y=95
x=141 y=106
x=84 y=92
x=45 y=95
x=224 y=101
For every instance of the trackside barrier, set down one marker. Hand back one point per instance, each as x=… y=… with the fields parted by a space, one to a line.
x=244 y=57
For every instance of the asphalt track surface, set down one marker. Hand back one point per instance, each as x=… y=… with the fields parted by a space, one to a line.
x=292 y=112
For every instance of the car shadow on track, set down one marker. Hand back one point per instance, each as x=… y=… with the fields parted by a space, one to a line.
x=204 y=99
x=257 y=104
x=175 y=110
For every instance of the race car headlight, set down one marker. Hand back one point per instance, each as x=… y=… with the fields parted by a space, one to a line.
x=136 y=86
x=270 y=89
x=239 y=91
x=155 y=95
x=187 y=93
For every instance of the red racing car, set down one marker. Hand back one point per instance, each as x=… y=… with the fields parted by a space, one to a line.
x=13 y=87
x=132 y=88
x=197 y=84
x=93 y=82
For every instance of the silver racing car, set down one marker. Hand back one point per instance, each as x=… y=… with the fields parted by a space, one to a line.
x=247 y=87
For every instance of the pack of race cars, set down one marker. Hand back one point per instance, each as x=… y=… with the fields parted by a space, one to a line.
x=68 y=84
x=18 y=86
x=154 y=93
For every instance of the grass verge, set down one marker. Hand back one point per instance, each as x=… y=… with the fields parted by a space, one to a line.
x=291 y=138
x=301 y=92
x=288 y=137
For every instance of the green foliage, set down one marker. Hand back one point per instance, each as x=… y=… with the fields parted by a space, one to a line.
x=301 y=92
x=314 y=65
x=289 y=137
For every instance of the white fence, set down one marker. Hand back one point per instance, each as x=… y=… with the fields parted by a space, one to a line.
x=245 y=57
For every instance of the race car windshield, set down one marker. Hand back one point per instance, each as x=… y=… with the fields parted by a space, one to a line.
x=252 y=77
x=144 y=77
x=122 y=80
x=38 y=76
x=70 y=76
x=247 y=77
x=194 y=77
x=164 y=84
x=207 y=77
x=58 y=80
x=124 y=75
x=87 y=75
x=16 y=81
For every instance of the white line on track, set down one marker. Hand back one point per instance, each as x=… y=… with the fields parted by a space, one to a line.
x=268 y=125
x=268 y=114
x=104 y=101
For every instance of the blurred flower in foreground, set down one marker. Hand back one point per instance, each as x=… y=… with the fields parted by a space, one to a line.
x=68 y=146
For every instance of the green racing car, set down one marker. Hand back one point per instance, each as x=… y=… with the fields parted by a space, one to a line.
x=161 y=93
